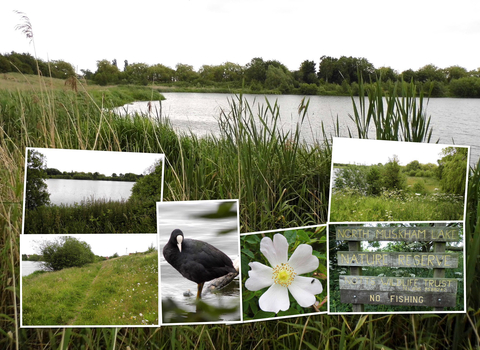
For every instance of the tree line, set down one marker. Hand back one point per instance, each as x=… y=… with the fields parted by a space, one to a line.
x=52 y=173
x=328 y=76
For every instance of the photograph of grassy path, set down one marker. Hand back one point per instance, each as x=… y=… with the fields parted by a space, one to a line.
x=122 y=290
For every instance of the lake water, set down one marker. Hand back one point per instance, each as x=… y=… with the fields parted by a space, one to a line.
x=29 y=267
x=66 y=191
x=454 y=119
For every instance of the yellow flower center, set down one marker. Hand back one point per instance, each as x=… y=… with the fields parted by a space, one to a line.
x=283 y=274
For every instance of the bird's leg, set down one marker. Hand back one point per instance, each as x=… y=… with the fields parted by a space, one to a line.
x=199 y=290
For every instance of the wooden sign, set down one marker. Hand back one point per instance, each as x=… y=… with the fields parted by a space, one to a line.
x=397 y=259
x=409 y=234
x=437 y=291
x=398 y=298
x=399 y=284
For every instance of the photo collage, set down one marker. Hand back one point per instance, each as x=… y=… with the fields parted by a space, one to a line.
x=101 y=248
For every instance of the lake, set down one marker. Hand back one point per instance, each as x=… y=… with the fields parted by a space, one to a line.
x=454 y=119
x=69 y=192
x=29 y=267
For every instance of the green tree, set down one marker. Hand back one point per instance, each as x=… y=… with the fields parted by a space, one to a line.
x=328 y=70
x=137 y=73
x=374 y=181
x=278 y=78
x=453 y=167
x=36 y=193
x=414 y=165
x=160 y=73
x=308 y=72
x=430 y=72
x=386 y=74
x=106 y=73
x=61 y=69
x=409 y=75
x=465 y=87
x=148 y=188
x=455 y=72
x=392 y=177
x=185 y=72
x=64 y=252
x=52 y=172
x=256 y=70
x=352 y=177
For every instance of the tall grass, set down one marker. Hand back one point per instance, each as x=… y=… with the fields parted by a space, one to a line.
x=91 y=216
x=280 y=183
x=397 y=116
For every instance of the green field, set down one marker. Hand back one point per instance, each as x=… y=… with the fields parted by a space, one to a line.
x=393 y=206
x=119 y=291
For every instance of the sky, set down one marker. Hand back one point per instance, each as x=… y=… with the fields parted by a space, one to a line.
x=103 y=162
x=368 y=152
x=101 y=244
x=402 y=35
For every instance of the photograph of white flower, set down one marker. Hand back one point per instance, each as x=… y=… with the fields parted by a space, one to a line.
x=284 y=273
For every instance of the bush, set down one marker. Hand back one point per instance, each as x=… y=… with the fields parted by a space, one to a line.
x=419 y=187
x=66 y=252
x=351 y=177
x=393 y=178
x=374 y=181
x=308 y=89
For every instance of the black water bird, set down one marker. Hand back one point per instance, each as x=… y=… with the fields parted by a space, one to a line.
x=197 y=261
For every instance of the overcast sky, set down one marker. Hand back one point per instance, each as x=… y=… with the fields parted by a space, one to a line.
x=368 y=152
x=402 y=35
x=103 y=162
x=101 y=244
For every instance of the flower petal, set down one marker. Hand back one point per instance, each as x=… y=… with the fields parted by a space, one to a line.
x=302 y=260
x=304 y=290
x=276 y=252
x=274 y=299
x=260 y=276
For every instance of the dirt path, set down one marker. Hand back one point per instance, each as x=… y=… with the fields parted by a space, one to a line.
x=87 y=295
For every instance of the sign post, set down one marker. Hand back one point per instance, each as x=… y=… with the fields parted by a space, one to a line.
x=437 y=292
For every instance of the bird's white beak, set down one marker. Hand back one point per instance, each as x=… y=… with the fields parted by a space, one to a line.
x=179 y=242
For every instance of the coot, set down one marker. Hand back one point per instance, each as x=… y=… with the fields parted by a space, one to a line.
x=197 y=261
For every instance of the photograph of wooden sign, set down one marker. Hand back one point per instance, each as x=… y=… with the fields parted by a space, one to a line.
x=437 y=291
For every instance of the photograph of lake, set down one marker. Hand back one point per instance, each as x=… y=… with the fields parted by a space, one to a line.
x=80 y=191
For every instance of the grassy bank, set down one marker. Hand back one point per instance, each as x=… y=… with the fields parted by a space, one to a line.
x=92 y=216
x=395 y=206
x=280 y=183
x=122 y=290
x=110 y=96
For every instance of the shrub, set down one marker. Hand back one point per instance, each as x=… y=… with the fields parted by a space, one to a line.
x=352 y=177
x=393 y=178
x=419 y=187
x=374 y=181
x=66 y=252
x=308 y=89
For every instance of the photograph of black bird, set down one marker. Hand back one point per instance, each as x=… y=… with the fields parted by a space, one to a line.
x=197 y=261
